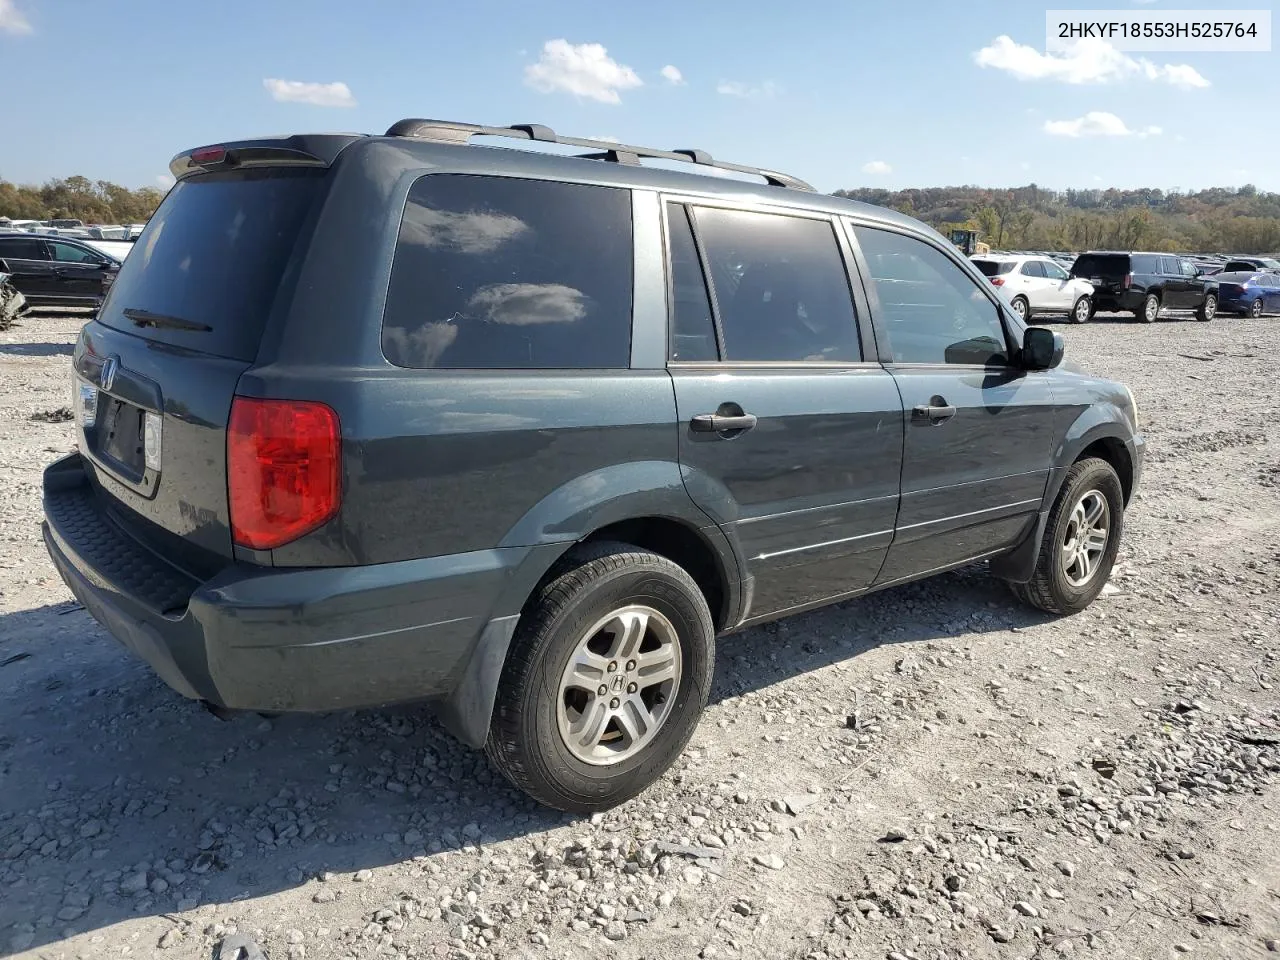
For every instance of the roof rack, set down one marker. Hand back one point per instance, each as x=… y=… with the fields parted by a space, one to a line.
x=446 y=131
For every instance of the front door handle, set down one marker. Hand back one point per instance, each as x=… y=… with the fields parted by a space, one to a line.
x=932 y=413
x=720 y=423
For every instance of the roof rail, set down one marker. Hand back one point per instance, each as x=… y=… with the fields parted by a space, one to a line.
x=446 y=131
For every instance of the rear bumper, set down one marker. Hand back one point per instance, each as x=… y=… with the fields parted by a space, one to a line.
x=283 y=640
x=1122 y=301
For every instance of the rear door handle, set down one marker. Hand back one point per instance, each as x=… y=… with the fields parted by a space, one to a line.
x=719 y=423
x=927 y=413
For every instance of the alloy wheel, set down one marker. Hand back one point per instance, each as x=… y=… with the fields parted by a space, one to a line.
x=619 y=685
x=1086 y=538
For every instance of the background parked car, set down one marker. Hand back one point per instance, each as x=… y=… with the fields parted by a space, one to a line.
x=1244 y=264
x=1249 y=293
x=57 y=271
x=1036 y=284
x=1145 y=283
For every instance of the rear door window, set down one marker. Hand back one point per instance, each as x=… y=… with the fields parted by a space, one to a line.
x=22 y=248
x=693 y=329
x=503 y=273
x=781 y=290
x=1032 y=268
x=213 y=256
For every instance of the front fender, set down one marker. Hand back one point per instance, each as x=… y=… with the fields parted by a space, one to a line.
x=1101 y=421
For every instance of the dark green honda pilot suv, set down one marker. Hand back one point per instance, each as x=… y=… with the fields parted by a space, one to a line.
x=374 y=419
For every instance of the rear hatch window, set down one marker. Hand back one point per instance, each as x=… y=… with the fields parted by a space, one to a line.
x=206 y=270
x=993 y=268
x=1108 y=266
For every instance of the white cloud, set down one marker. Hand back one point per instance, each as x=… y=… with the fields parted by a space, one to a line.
x=876 y=167
x=12 y=20
x=318 y=94
x=165 y=181
x=672 y=75
x=735 y=88
x=583 y=69
x=1089 y=61
x=1097 y=123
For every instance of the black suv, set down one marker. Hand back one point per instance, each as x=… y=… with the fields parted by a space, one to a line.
x=394 y=418
x=1145 y=283
x=56 y=271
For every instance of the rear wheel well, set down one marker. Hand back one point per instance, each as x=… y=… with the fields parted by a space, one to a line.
x=1114 y=452
x=682 y=545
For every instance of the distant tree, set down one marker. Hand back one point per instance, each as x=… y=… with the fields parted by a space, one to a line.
x=78 y=198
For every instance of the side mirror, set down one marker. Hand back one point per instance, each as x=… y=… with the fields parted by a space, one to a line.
x=1042 y=348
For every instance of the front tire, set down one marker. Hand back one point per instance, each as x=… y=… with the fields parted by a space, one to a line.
x=1081 y=539
x=608 y=673
x=1149 y=312
x=1209 y=309
x=1082 y=311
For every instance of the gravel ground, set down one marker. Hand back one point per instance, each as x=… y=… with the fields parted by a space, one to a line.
x=932 y=772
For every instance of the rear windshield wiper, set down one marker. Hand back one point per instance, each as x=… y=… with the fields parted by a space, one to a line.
x=145 y=318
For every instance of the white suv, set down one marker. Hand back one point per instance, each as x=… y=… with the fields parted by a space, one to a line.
x=1038 y=285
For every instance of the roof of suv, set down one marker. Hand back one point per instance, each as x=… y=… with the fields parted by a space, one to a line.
x=431 y=141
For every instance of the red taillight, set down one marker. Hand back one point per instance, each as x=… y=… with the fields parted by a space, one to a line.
x=283 y=469
x=998 y=281
x=206 y=155
x=1128 y=280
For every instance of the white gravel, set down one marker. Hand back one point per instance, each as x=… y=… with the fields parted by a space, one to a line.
x=932 y=772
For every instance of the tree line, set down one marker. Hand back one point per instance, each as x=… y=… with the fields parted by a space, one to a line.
x=1219 y=220
x=78 y=198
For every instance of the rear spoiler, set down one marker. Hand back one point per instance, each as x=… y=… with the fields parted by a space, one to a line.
x=306 y=150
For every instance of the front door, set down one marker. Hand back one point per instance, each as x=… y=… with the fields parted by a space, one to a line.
x=1059 y=285
x=78 y=271
x=790 y=432
x=980 y=430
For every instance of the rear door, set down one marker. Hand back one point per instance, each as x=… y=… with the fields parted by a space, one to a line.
x=1031 y=282
x=790 y=431
x=182 y=321
x=1177 y=293
x=30 y=266
x=979 y=436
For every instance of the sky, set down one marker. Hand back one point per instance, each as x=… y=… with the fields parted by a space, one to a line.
x=856 y=93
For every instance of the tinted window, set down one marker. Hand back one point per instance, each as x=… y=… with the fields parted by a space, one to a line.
x=69 y=253
x=1032 y=268
x=693 y=332
x=22 y=248
x=934 y=311
x=499 y=273
x=214 y=254
x=993 y=268
x=1053 y=271
x=780 y=285
x=1100 y=265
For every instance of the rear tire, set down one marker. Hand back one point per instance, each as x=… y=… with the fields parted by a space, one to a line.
x=1082 y=311
x=1256 y=308
x=1149 y=312
x=535 y=713
x=1060 y=584
x=1209 y=309
x=1021 y=307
